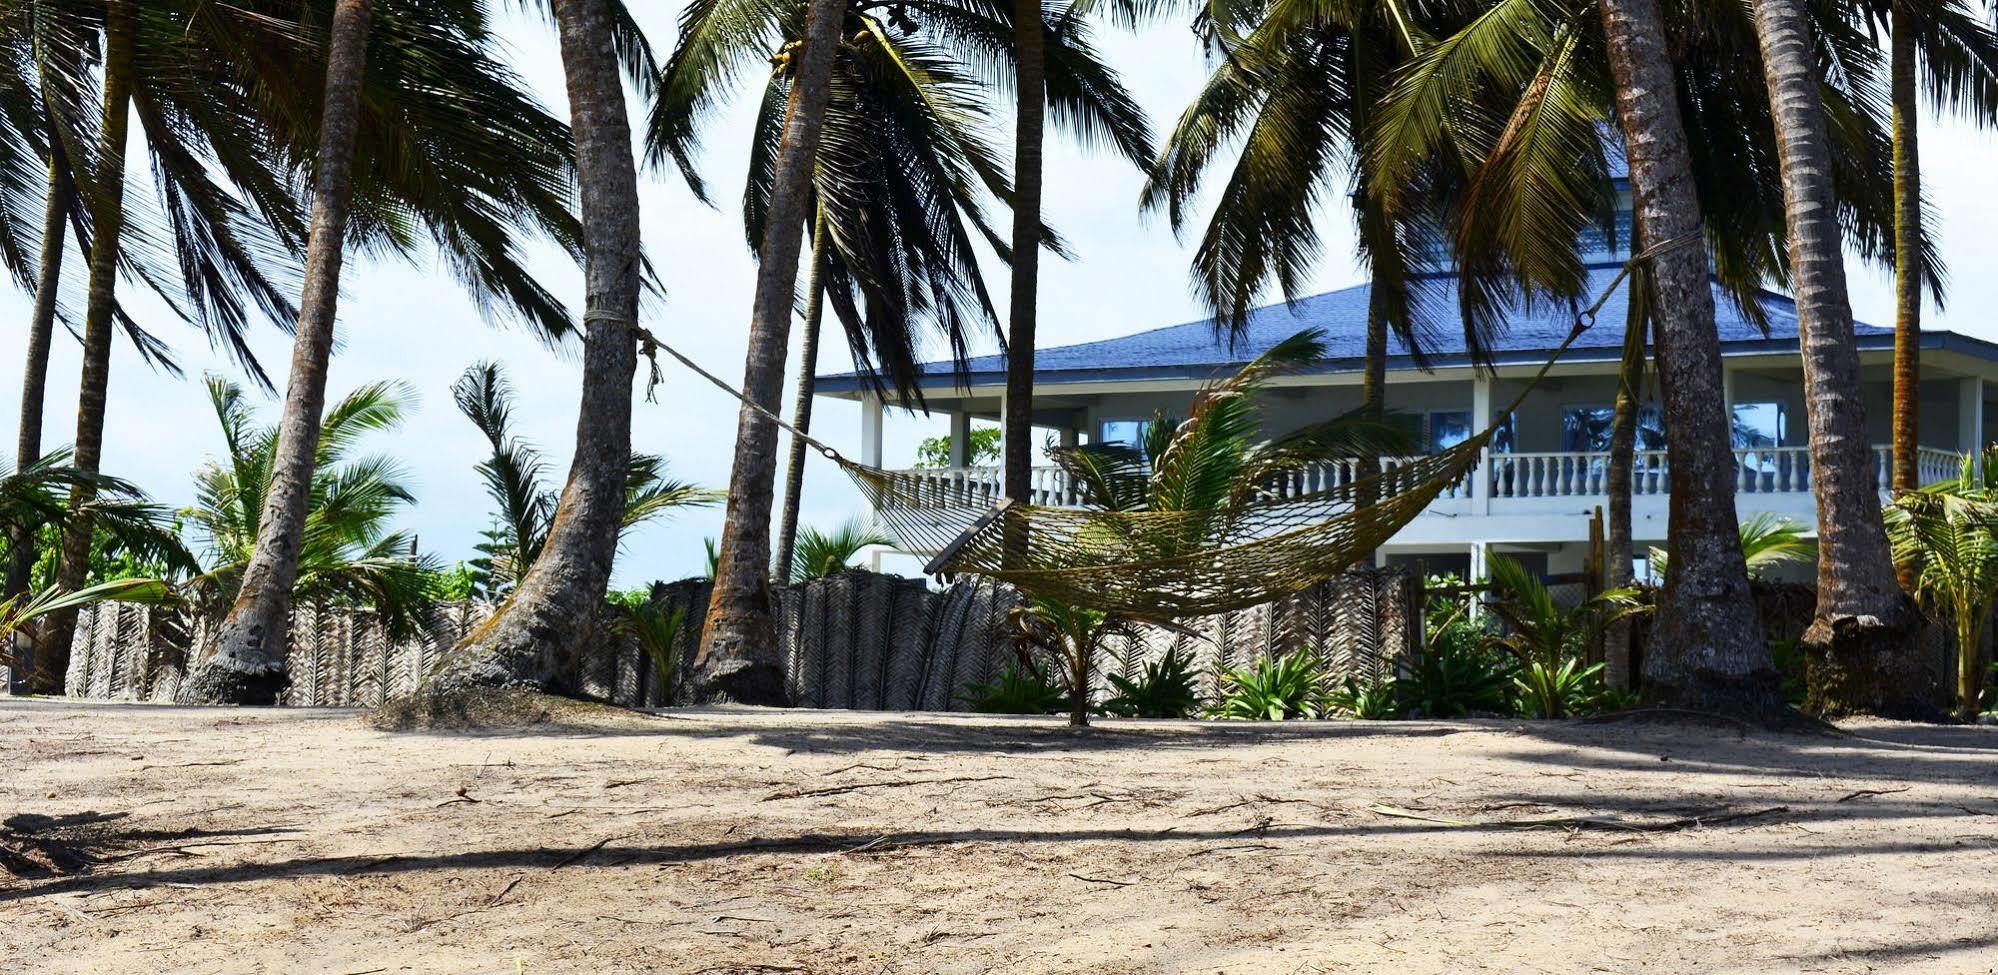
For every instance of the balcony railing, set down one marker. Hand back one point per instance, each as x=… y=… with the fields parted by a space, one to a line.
x=1514 y=476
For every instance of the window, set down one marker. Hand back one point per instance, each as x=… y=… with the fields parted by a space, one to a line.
x=1124 y=433
x=1587 y=428
x=1759 y=425
x=1447 y=429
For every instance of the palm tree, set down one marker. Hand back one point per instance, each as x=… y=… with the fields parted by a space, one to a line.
x=514 y=477
x=1865 y=622
x=246 y=662
x=1215 y=460
x=519 y=173
x=551 y=613
x=1074 y=636
x=821 y=554
x=1030 y=79
x=1295 y=96
x=1768 y=541
x=1948 y=532
x=898 y=174
x=349 y=554
x=1710 y=648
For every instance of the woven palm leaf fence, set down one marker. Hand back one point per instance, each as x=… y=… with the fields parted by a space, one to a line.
x=856 y=640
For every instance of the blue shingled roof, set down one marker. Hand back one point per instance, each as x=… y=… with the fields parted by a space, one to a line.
x=1193 y=350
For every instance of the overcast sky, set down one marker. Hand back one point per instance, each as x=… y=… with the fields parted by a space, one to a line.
x=405 y=322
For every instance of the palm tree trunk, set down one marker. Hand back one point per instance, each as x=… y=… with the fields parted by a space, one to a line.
x=738 y=659
x=1707 y=647
x=108 y=219
x=1620 y=549
x=246 y=662
x=1860 y=643
x=1907 y=433
x=544 y=624
x=1029 y=131
x=1907 y=253
x=35 y=374
x=801 y=404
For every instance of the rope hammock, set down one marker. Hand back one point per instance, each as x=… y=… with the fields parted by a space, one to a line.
x=1164 y=565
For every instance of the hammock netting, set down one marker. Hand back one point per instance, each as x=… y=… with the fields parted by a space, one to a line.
x=1163 y=565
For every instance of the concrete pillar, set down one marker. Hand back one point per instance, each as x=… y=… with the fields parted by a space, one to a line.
x=1480 y=567
x=960 y=438
x=870 y=430
x=1481 y=417
x=1970 y=414
x=1070 y=436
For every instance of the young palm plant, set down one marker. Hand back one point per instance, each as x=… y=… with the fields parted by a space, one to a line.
x=515 y=478
x=821 y=554
x=1948 y=533
x=1548 y=641
x=350 y=555
x=1215 y=461
x=1074 y=637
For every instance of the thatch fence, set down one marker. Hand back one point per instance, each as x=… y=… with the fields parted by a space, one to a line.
x=857 y=640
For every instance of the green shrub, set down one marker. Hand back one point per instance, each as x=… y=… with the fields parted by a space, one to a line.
x=1164 y=689
x=1019 y=690
x=1456 y=677
x=1566 y=690
x=1366 y=700
x=1276 y=689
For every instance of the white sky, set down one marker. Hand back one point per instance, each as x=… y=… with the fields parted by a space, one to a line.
x=411 y=323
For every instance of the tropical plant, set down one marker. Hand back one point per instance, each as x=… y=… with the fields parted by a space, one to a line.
x=1020 y=689
x=1563 y=690
x=1547 y=641
x=349 y=554
x=982 y=450
x=1072 y=636
x=648 y=624
x=1768 y=541
x=1163 y=689
x=129 y=532
x=19 y=610
x=525 y=506
x=1457 y=675
x=1276 y=688
x=1213 y=462
x=1366 y=700
x=1948 y=533
x=821 y=554
x=549 y=616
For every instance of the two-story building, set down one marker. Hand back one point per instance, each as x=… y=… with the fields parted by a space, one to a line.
x=1534 y=491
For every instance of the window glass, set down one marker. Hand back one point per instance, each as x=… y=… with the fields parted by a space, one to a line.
x=1126 y=433
x=1448 y=428
x=1587 y=428
x=1759 y=425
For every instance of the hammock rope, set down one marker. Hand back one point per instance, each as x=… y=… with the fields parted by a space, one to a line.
x=1164 y=565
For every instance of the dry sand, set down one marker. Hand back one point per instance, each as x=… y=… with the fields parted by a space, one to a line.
x=302 y=841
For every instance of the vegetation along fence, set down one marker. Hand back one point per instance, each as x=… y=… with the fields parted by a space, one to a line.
x=855 y=640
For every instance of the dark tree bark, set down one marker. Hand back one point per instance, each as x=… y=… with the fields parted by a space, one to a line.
x=1029 y=132
x=246 y=664
x=1620 y=548
x=35 y=373
x=738 y=659
x=801 y=407
x=1707 y=649
x=1861 y=646
x=1907 y=253
x=107 y=202
x=538 y=632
